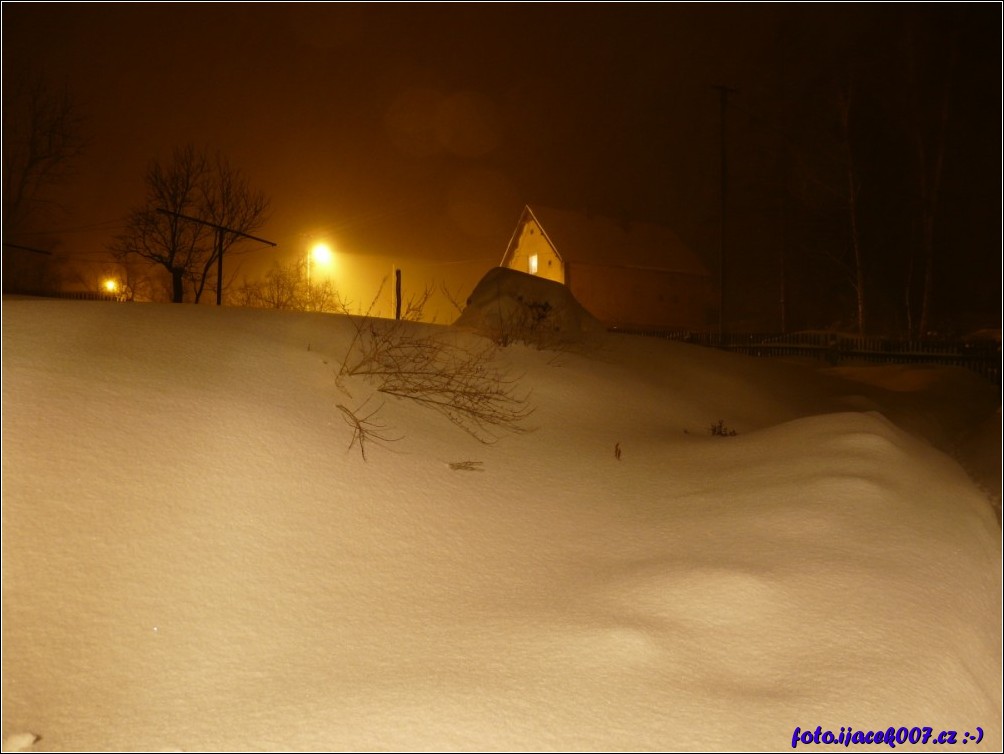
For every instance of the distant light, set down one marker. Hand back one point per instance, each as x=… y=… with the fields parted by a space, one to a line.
x=111 y=286
x=322 y=254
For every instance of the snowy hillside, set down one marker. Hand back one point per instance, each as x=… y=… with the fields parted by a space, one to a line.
x=197 y=556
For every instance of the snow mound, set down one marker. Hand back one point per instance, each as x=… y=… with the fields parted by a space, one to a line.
x=19 y=741
x=195 y=557
x=508 y=306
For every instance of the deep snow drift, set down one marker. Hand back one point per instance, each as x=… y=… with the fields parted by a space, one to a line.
x=509 y=306
x=195 y=557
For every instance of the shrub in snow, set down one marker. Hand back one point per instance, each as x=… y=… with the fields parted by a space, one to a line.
x=467 y=466
x=365 y=428
x=720 y=430
x=438 y=372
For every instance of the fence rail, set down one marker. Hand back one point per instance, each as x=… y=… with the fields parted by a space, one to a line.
x=73 y=295
x=980 y=356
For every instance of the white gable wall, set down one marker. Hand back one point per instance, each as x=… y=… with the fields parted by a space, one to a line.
x=531 y=242
x=618 y=294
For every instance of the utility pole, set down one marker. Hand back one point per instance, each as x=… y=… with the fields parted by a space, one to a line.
x=220 y=230
x=723 y=92
x=781 y=248
x=397 y=293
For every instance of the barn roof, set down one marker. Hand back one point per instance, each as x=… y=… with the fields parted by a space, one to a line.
x=581 y=238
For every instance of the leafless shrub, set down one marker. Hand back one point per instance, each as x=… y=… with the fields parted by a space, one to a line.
x=520 y=324
x=467 y=466
x=531 y=322
x=287 y=286
x=414 y=307
x=455 y=299
x=462 y=383
x=365 y=429
x=720 y=430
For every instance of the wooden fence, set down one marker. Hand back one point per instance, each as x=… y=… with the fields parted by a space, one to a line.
x=74 y=295
x=980 y=356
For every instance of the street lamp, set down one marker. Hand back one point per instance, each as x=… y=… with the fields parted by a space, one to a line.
x=320 y=254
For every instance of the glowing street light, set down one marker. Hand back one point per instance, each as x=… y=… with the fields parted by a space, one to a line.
x=320 y=254
x=110 y=285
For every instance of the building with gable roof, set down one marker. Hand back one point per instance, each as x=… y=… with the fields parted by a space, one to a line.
x=632 y=276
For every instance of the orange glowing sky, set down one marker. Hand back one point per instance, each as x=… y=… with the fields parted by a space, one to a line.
x=412 y=135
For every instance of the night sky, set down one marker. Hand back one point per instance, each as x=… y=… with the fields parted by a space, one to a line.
x=412 y=135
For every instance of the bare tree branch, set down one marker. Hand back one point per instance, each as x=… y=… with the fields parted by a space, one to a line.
x=365 y=429
x=285 y=286
x=196 y=184
x=42 y=136
x=462 y=383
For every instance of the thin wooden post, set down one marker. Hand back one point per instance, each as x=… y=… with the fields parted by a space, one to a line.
x=397 y=294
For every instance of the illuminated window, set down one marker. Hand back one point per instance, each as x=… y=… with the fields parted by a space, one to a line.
x=533 y=264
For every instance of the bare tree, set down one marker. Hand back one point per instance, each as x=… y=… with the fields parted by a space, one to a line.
x=927 y=133
x=196 y=184
x=230 y=202
x=165 y=239
x=844 y=99
x=825 y=183
x=285 y=286
x=42 y=136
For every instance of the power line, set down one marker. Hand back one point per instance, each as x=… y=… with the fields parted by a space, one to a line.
x=220 y=230
x=77 y=229
x=27 y=248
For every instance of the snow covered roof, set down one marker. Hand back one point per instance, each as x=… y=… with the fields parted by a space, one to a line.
x=585 y=238
x=513 y=306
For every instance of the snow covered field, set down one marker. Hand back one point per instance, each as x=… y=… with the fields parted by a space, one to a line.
x=195 y=558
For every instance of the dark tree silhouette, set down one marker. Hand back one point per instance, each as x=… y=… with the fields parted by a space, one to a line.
x=197 y=184
x=929 y=107
x=42 y=136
